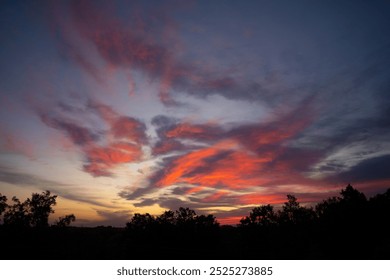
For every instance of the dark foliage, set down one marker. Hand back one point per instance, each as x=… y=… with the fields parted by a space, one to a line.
x=65 y=221
x=33 y=212
x=348 y=226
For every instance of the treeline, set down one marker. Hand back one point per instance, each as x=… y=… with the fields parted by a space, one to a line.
x=348 y=226
x=32 y=213
x=351 y=207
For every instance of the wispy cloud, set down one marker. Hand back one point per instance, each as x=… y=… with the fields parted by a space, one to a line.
x=102 y=149
x=25 y=179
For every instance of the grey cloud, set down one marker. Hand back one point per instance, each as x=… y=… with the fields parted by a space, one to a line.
x=370 y=169
x=78 y=134
x=136 y=194
x=25 y=179
x=61 y=189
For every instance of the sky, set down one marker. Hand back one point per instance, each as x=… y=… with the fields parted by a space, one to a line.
x=123 y=107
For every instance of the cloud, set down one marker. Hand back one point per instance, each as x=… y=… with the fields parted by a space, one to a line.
x=167 y=146
x=25 y=179
x=103 y=150
x=78 y=135
x=102 y=159
x=146 y=41
x=194 y=131
x=58 y=188
x=12 y=142
x=367 y=170
x=129 y=129
x=243 y=156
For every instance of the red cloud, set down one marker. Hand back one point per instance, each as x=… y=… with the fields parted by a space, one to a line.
x=113 y=154
x=195 y=132
x=260 y=199
x=218 y=165
x=121 y=127
x=101 y=159
x=240 y=158
x=129 y=129
x=215 y=197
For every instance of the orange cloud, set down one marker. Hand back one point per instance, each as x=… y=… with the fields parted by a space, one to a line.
x=215 y=197
x=217 y=165
x=261 y=199
x=129 y=129
x=101 y=159
x=192 y=131
x=116 y=153
x=241 y=158
x=121 y=127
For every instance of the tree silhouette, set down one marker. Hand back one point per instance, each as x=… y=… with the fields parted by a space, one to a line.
x=379 y=207
x=347 y=226
x=350 y=208
x=328 y=207
x=206 y=222
x=65 y=221
x=40 y=206
x=141 y=222
x=181 y=218
x=261 y=216
x=353 y=196
x=3 y=205
x=293 y=213
x=168 y=218
x=185 y=216
x=18 y=214
x=33 y=212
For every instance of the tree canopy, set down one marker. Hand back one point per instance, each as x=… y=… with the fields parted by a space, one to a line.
x=33 y=212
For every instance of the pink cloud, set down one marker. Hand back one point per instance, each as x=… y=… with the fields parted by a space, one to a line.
x=103 y=150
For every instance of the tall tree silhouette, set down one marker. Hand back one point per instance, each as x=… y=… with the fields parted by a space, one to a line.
x=41 y=206
x=353 y=196
x=293 y=213
x=350 y=208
